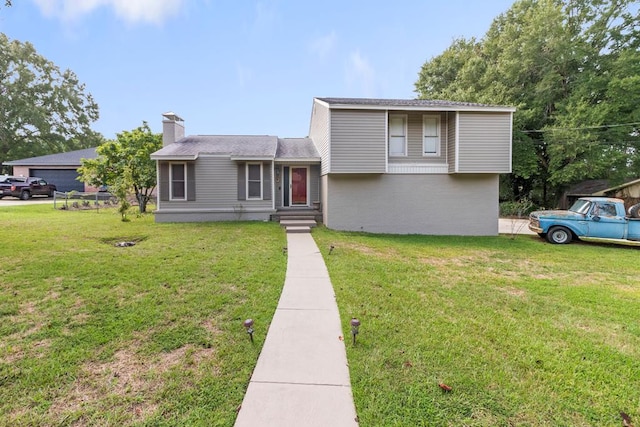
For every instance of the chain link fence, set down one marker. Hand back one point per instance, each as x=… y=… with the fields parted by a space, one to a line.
x=81 y=200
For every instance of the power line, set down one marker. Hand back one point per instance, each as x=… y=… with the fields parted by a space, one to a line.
x=581 y=128
x=623 y=143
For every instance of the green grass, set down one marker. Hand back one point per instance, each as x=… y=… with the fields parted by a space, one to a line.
x=526 y=333
x=93 y=334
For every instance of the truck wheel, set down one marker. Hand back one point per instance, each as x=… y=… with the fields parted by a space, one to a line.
x=559 y=235
x=25 y=195
x=634 y=211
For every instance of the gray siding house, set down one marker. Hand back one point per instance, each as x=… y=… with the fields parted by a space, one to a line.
x=375 y=165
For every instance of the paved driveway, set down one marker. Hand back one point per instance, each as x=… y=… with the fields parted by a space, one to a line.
x=12 y=201
x=514 y=226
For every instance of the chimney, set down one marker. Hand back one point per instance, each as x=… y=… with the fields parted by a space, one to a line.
x=172 y=128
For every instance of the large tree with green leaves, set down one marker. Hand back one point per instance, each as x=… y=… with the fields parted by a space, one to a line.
x=125 y=165
x=571 y=67
x=43 y=110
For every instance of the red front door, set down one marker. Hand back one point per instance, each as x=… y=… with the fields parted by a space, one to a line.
x=298 y=186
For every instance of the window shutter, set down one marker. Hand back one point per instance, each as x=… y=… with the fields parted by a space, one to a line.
x=242 y=187
x=191 y=181
x=266 y=181
x=164 y=180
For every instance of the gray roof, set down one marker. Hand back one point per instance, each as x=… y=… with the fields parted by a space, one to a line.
x=70 y=158
x=250 y=146
x=404 y=103
x=297 y=148
x=616 y=188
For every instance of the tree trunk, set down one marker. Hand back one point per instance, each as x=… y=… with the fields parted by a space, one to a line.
x=142 y=202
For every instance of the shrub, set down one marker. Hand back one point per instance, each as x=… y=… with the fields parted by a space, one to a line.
x=520 y=208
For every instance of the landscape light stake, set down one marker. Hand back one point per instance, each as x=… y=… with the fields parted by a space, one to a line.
x=355 y=324
x=249 y=325
x=331 y=248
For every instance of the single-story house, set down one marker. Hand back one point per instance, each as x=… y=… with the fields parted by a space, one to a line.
x=582 y=189
x=375 y=165
x=60 y=169
x=629 y=192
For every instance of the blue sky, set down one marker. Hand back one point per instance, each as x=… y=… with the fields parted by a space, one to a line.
x=240 y=66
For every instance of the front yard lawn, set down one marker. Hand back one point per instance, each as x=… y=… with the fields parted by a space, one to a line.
x=524 y=332
x=94 y=334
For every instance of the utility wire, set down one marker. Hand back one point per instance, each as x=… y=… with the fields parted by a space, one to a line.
x=581 y=128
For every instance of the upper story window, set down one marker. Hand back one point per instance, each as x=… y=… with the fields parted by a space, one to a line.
x=178 y=179
x=397 y=134
x=254 y=180
x=430 y=135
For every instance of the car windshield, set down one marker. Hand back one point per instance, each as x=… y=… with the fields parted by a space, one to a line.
x=581 y=206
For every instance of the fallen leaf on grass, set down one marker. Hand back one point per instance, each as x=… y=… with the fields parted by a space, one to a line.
x=626 y=420
x=445 y=387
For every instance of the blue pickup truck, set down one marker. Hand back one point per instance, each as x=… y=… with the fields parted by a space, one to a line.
x=594 y=219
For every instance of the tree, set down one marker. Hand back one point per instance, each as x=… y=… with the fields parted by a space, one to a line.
x=43 y=110
x=571 y=69
x=125 y=165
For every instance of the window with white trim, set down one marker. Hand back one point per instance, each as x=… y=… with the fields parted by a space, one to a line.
x=431 y=135
x=254 y=181
x=178 y=180
x=397 y=134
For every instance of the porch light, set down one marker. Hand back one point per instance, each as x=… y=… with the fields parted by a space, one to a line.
x=248 y=324
x=355 y=325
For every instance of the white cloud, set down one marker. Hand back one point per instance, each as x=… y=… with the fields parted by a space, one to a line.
x=361 y=75
x=265 y=17
x=244 y=75
x=151 y=11
x=323 y=46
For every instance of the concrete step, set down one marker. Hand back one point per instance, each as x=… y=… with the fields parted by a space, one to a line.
x=298 y=229
x=298 y=222
x=297 y=217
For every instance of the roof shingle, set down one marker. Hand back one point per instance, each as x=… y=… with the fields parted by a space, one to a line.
x=374 y=102
x=263 y=146
x=70 y=158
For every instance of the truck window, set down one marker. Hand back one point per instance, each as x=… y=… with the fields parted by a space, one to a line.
x=581 y=206
x=605 y=209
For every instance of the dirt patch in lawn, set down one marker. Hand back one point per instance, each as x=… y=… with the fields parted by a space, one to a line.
x=129 y=381
x=367 y=250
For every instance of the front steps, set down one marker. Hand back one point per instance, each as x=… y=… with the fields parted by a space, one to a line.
x=298 y=222
x=297 y=213
x=298 y=225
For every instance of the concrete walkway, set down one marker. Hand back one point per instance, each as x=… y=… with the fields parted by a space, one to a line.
x=302 y=378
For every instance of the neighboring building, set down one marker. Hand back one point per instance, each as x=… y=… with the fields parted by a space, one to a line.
x=583 y=189
x=60 y=169
x=629 y=192
x=375 y=165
